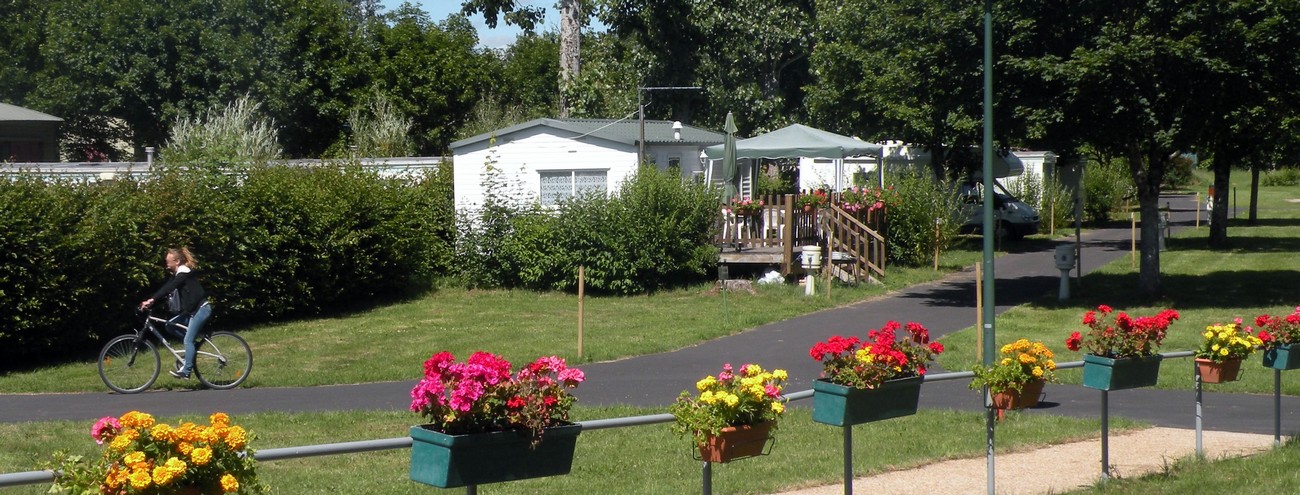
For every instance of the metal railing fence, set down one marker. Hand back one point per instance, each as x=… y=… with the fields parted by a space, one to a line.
x=275 y=454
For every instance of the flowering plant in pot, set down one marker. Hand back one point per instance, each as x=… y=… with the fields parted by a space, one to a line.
x=1227 y=342
x=1218 y=359
x=871 y=380
x=747 y=206
x=869 y=363
x=868 y=199
x=813 y=199
x=488 y=424
x=1277 y=331
x=1121 y=353
x=142 y=456
x=1122 y=337
x=482 y=395
x=1278 y=334
x=1022 y=362
x=751 y=397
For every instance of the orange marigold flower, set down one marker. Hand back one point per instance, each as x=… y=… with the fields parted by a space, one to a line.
x=229 y=484
x=201 y=455
x=236 y=438
x=219 y=419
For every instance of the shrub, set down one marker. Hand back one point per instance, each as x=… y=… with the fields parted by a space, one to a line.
x=1286 y=177
x=1106 y=187
x=271 y=242
x=655 y=233
x=911 y=224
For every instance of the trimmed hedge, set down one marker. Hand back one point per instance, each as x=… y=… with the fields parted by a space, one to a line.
x=655 y=233
x=271 y=241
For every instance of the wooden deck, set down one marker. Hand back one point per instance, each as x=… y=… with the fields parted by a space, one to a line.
x=773 y=237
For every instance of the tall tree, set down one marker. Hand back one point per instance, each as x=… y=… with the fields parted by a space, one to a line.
x=431 y=72
x=908 y=71
x=527 y=17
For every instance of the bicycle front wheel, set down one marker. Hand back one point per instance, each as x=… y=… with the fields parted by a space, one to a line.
x=223 y=360
x=128 y=365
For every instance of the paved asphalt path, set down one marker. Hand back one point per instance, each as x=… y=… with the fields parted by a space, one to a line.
x=656 y=380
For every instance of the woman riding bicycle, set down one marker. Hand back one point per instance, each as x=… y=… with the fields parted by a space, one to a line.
x=189 y=302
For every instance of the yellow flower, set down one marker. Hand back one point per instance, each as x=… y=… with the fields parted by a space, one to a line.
x=1215 y=347
x=184 y=448
x=163 y=476
x=219 y=419
x=1038 y=371
x=229 y=484
x=140 y=479
x=778 y=407
x=1006 y=361
x=1209 y=334
x=707 y=397
x=235 y=438
x=133 y=458
x=201 y=455
x=136 y=419
x=1051 y=365
x=1223 y=352
x=780 y=375
x=732 y=400
x=116 y=477
x=706 y=383
x=1027 y=359
x=120 y=442
x=161 y=433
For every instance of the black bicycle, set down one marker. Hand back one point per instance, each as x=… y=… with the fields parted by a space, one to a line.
x=130 y=363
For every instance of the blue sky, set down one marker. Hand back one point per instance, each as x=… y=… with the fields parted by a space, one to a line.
x=495 y=38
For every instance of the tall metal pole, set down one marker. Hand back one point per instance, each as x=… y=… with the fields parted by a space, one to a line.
x=990 y=306
x=640 y=110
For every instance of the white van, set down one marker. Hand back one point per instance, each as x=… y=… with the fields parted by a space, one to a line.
x=1014 y=218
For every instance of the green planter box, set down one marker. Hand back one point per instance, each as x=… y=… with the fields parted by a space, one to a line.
x=449 y=461
x=1282 y=358
x=838 y=405
x=1118 y=374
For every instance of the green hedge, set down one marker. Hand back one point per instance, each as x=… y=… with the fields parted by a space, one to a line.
x=655 y=233
x=272 y=242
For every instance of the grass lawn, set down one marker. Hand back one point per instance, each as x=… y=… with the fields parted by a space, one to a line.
x=1270 y=472
x=650 y=458
x=389 y=343
x=1257 y=275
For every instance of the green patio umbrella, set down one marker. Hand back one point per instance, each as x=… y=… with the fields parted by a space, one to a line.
x=729 y=169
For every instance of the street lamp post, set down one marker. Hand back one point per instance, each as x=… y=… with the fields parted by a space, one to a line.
x=640 y=105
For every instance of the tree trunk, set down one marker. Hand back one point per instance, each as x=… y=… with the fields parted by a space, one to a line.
x=1223 y=162
x=570 y=39
x=1254 y=193
x=1148 y=171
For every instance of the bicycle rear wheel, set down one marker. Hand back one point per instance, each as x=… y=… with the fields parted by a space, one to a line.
x=223 y=360
x=128 y=365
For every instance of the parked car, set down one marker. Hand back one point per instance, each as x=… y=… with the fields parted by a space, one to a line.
x=1015 y=219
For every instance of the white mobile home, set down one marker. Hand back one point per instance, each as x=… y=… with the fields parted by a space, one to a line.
x=547 y=160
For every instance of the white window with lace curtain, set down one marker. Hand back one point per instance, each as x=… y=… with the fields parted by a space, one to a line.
x=559 y=185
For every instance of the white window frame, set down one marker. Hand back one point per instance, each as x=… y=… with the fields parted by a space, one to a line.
x=574 y=191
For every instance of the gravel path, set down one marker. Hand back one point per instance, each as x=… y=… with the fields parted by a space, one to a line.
x=1057 y=468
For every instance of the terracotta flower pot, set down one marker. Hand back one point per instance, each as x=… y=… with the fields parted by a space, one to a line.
x=1025 y=398
x=737 y=442
x=1218 y=372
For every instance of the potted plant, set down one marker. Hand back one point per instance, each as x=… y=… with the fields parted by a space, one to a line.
x=1121 y=353
x=1016 y=381
x=1219 y=357
x=488 y=424
x=873 y=379
x=144 y=456
x=812 y=200
x=1279 y=335
x=747 y=207
x=734 y=414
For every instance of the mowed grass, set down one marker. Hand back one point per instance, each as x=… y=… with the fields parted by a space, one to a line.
x=1270 y=472
x=647 y=459
x=1257 y=275
x=389 y=343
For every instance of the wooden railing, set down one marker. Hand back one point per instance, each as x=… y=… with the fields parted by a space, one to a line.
x=781 y=224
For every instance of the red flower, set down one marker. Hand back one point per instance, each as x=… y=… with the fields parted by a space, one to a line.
x=936 y=348
x=515 y=402
x=1075 y=342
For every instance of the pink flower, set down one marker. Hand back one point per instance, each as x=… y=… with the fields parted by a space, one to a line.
x=105 y=429
x=571 y=377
